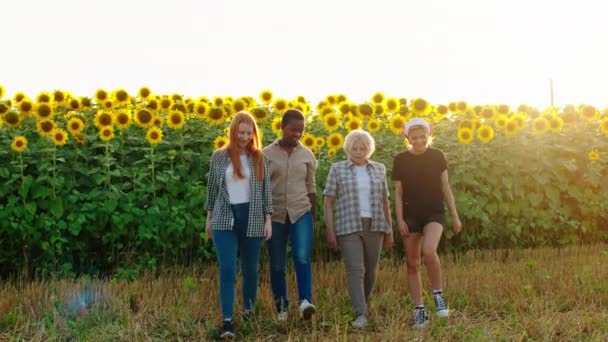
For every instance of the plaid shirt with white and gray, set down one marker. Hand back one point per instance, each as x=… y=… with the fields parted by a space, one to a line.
x=342 y=185
x=218 y=200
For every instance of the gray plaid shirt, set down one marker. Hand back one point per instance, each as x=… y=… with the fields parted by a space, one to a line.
x=342 y=185
x=260 y=200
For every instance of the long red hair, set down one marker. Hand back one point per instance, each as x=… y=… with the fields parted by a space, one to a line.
x=254 y=147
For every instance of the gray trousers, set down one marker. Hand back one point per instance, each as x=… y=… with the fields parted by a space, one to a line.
x=361 y=253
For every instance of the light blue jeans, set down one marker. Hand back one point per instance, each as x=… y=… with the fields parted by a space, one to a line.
x=227 y=244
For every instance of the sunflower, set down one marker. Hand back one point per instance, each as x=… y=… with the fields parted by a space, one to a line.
x=501 y=121
x=442 y=110
x=100 y=95
x=301 y=99
x=144 y=93
x=604 y=125
x=103 y=118
x=80 y=138
x=373 y=125
x=556 y=124
x=540 y=125
x=26 y=107
x=121 y=97
x=345 y=108
x=158 y=120
x=319 y=142
x=45 y=127
x=396 y=123
x=309 y=141
x=420 y=106
x=593 y=155
x=365 y=110
x=4 y=107
x=19 y=96
x=44 y=111
x=465 y=135
x=59 y=136
x=511 y=127
x=43 y=97
x=165 y=102
x=239 y=105
x=123 y=119
x=59 y=97
x=106 y=133
x=143 y=118
x=275 y=126
x=216 y=115
x=485 y=133
x=260 y=114
x=520 y=120
x=379 y=110
x=75 y=125
x=86 y=102
x=503 y=109
x=176 y=120
x=201 y=109
x=73 y=104
x=152 y=104
x=332 y=152
x=378 y=98
x=19 y=144
x=12 y=119
x=332 y=100
x=488 y=113
x=266 y=96
x=353 y=123
x=280 y=106
x=220 y=142
x=462 y=107
x=154 y=135
x=392 y=105
x=326 y=111
x=589 y=112
x=331 y=122
x=2 y=91
x=335 y=141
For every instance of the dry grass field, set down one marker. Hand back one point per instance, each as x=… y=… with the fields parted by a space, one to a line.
x=520 y=295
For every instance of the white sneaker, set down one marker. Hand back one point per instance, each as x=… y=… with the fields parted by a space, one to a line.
x=440 y=305
x=360 y=322
x=282 y=316
x=307 y=309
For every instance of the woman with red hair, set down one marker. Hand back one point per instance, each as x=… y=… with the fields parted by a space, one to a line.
x=239 y=209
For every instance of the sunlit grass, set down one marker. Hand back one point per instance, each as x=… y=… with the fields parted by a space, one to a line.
x=543 y=294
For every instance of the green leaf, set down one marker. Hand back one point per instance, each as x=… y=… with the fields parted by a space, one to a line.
x=56 y=207
x=30 y=208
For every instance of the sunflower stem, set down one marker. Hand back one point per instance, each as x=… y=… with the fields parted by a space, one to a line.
x=54 y=171
x=153 y=175
x=22 y=178
x=107 y=162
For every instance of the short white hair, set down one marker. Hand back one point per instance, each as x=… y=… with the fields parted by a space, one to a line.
x=359 y=135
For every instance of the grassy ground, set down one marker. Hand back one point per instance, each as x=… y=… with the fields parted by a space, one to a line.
x=542 y=294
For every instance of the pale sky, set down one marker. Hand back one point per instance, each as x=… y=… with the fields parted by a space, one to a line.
x=481 y=51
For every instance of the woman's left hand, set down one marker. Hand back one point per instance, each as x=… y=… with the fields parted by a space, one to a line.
x=389 y=241
x=267 y=230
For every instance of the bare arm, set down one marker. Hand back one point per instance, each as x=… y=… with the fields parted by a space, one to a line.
x=449 y=198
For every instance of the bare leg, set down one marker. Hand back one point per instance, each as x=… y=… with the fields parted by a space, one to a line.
x=414 y=283
x=432 y=235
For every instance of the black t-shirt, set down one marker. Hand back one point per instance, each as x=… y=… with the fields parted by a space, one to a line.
x=420 y=177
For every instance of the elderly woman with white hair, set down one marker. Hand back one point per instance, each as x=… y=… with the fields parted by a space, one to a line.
x=363 y=217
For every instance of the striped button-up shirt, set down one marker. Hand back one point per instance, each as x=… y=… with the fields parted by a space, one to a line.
x=342 y=185
x=260 y=197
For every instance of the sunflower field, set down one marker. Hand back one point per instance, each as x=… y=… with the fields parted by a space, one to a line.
x=116 y=182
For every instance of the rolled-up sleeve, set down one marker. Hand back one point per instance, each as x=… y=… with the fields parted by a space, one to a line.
x=212 y=184
x=311 y=170
x=267 y=188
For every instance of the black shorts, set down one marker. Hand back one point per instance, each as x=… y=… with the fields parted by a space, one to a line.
x=416 y=224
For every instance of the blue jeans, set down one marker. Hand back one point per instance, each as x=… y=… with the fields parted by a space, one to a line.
x=227 y=242
x=301 y=250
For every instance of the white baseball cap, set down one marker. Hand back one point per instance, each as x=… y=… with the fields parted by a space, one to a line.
x=416 y=122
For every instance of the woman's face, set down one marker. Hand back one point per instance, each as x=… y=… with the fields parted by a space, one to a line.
x=292 y=132
x=244 y=135
x=418 y=138
x=358 y=152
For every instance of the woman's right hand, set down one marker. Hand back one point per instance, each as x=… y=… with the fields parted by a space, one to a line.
x=332 y=242
x=208 y=231
x=403 y=228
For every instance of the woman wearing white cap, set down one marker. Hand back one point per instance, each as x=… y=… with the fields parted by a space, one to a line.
x=421 y=186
